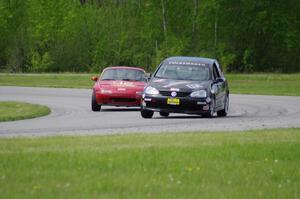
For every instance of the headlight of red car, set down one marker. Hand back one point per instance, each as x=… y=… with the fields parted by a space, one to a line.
x=104 y=91
x=139 y=92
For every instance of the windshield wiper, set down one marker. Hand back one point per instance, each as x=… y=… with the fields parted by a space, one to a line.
x=129 y=79
x=107 y=79
x=159 y=77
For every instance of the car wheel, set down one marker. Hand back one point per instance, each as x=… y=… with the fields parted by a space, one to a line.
x=146 y=113
x=211 y=111
x=164 y=114
x=224 y=112
x=95 y=106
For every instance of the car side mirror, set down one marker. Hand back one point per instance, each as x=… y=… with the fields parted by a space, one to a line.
x=148 y=76
x=219 y=80
x=94 y=78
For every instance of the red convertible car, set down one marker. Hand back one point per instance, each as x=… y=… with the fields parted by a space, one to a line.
x=118 y=86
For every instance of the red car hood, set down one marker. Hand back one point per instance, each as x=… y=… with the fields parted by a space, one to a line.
x=120 y=84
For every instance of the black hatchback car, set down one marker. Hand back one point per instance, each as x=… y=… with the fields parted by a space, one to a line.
x=190 y=85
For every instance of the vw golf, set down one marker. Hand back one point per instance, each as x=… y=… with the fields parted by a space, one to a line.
x=190 y=85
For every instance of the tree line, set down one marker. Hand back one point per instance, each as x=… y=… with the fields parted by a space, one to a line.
x=88 y=35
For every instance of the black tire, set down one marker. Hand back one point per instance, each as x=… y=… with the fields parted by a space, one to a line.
x=224 y=112
x=95 y=106
x=164 y=114
x=146 y=113
x=211 y=111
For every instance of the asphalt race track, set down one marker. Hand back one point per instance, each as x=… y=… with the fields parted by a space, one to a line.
x=71 y=115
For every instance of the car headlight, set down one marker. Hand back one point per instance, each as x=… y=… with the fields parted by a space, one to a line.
x=105 y=91
x=151 y=91
x=199 y=94
x=139 y=92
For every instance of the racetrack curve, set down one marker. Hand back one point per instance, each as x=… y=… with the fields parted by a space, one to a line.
x=72 y=115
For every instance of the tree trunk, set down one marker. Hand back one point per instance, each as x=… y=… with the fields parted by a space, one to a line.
x=216 y=30
x=164 y=17
x=196 y=5
x=82 y=2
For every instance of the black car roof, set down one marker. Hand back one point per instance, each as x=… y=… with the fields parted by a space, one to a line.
x=191 y=59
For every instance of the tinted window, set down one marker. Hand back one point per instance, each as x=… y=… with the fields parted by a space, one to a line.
x=123 y=74
x=183 y=72
x=215 y=72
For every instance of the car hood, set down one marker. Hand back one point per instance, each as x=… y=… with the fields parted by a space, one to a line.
x=179 y=85
x=121 y=84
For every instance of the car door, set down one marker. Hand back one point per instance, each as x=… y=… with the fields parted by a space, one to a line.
x=218 y=86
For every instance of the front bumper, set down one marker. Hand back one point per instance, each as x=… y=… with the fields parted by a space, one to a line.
x=118 y=99
x=186 y=105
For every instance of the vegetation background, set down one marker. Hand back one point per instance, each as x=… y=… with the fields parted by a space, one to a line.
x=87 y=35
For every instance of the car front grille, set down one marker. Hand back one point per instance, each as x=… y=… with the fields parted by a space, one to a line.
x=123 y=99
x=184 y=106
x=179 y=94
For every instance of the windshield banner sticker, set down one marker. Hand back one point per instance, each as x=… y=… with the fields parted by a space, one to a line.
x=186 y=63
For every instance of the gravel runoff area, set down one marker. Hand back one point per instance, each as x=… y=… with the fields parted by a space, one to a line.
x=71 y=115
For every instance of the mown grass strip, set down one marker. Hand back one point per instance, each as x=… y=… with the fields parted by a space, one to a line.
x=55 y=80
x=253 y=164
x=264 y=84
x=10 y=111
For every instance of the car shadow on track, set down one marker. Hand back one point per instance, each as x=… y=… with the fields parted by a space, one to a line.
x=196 y=117
x=120 y=109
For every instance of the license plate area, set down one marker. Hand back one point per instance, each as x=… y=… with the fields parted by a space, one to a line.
x=173 y=101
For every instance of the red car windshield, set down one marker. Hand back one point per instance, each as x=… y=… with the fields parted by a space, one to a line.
x=123 y=74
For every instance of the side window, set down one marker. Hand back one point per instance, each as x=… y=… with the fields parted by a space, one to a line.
x=215 y=72
x=219 y=67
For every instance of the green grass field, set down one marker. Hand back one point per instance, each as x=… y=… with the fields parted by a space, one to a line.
x=253 y=164
x=10 y=111
x=64 y=80
x=265 y=84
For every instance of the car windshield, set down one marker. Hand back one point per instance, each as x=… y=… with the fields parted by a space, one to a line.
x=123 y=74
x=183 y=72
